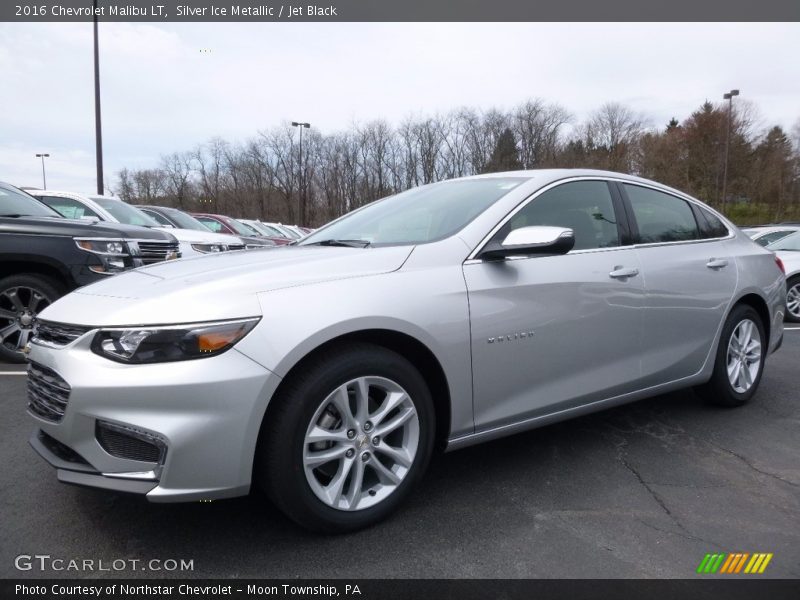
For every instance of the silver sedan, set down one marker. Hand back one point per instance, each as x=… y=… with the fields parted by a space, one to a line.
x=328 y=372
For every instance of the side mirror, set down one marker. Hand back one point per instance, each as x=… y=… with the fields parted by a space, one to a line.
x=531 y=241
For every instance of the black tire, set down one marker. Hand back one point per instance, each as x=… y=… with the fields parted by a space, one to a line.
x=279 y=463
x=12 y=342
x=719 y=390
x=792 y=282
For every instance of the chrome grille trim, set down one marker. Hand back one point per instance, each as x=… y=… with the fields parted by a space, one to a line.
x=153 y=252
x=57 y=335
x=48 y=393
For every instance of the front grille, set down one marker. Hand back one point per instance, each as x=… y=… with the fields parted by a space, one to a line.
x=48 y=393
x=123 y=442
x=236 y=247
x=154 y=252
x=57 y=334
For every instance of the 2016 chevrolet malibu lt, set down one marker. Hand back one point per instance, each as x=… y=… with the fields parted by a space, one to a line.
x=327 y=372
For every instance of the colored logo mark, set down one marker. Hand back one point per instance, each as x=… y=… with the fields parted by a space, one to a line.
x=737 y=562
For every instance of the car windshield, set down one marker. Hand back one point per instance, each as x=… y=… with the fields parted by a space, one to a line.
x=790 y=243
x=14 y=203
x=259 y=227
x=417 y=216
x=241 y=228
x=184 y=221
x=125 y=213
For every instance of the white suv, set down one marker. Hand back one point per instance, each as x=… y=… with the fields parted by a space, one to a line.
x=104 y=208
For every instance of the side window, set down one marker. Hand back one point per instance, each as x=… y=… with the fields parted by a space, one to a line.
x=585 y=207
x=213 y=225
x=661 y=217
x=68 y=208
x=157 y=217
x=710 y=225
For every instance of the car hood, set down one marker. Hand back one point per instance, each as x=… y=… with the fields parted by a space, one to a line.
x=197 y=236
x=80 y=228
x=219 y=286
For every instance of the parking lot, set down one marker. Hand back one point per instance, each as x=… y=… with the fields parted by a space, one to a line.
x=644 y=490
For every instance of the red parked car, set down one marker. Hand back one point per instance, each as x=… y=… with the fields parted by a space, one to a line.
x=223 y=224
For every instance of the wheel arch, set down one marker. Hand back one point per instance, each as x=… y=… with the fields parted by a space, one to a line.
x=759 y=304
x=11 y=267
x=404 y=344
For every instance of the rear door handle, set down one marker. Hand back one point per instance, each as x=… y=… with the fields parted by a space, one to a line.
x=623 y=273
x=717 y=263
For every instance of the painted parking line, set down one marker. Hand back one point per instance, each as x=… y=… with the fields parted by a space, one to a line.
x=791 y=328
x=13 y=372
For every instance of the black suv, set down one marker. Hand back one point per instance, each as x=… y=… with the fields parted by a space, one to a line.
x=43 y=256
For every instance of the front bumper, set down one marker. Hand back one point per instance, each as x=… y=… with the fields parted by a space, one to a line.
x=207 y=412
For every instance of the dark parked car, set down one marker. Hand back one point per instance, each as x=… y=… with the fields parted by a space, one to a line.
x=43 y=256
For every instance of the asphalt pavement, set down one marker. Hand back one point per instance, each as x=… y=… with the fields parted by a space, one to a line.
x=644 y=490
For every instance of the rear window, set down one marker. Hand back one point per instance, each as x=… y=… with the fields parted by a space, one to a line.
x=711 y=226
x=661 y=217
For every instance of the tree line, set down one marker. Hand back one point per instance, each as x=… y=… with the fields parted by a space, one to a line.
x=267 y=177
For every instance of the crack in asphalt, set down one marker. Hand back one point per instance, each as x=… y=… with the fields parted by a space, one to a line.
x=751 y=465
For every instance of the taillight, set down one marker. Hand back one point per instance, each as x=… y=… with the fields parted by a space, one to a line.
x=779 y=262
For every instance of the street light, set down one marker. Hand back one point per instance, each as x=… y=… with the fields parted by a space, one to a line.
x=302 y=175
x=729 y=97
x=98 y=133
x=44 y=179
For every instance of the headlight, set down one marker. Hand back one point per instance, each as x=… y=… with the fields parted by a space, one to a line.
x=209 y=248
x=113 y=254
x=139 y=345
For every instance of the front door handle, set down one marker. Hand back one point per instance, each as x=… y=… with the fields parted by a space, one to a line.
x=717 y=263
x=623 y=273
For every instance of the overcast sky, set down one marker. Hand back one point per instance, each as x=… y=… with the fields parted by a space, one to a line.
x=160 y=93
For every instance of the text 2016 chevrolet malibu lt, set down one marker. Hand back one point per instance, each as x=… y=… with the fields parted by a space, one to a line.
x=454 y=313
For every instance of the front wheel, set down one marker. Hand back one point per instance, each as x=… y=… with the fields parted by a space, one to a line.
x=347 y=438
x=793 y=299
x=22 y=297
x=739 y=361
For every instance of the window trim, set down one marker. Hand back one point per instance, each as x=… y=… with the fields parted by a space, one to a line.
x=621 y=217
x=693 y=205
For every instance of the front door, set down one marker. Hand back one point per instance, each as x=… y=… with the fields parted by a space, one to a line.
x=550 y=333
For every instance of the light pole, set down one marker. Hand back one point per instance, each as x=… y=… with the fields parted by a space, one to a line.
x=44 y=179
x=729 y=97
x=98 y=133
x=302 y=211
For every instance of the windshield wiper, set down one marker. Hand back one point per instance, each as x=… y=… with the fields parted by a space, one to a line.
x=344 y=243
x=15 y=216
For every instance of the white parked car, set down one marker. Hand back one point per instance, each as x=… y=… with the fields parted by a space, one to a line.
x=788 y=250
x=104 y=208
x=764 y=235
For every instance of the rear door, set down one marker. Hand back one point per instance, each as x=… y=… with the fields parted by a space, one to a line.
x=553 y=332
x=690 y=276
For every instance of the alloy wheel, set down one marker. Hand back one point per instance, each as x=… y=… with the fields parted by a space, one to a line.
x=793 y=300
x=18 y=309
x=361 y=443
x=744 y=356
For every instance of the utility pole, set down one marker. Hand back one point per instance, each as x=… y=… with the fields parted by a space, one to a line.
x=302 y=211
x=729 y=97
x=98 y=131
x=44 y=178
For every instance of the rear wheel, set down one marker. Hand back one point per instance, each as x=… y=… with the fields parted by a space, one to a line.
x=793 y=299
x=740 y=359
x=22 y=297
x=347 y=439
